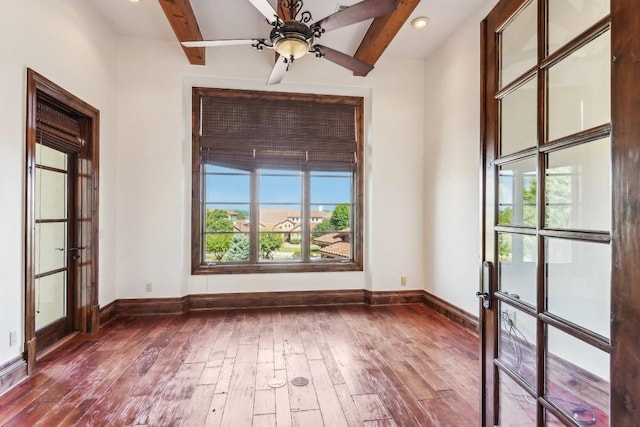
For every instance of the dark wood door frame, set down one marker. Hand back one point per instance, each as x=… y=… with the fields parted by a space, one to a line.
x=625 y=271
x=85 y=292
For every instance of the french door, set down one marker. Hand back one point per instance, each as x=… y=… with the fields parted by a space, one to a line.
x=61 y=215
x=556 y=78
x=56 y=248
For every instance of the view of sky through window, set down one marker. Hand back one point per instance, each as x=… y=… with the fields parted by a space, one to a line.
x=229 y=188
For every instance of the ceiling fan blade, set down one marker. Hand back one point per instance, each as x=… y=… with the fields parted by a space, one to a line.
x=277 y=73
x=265 y=8
x=224 y=42
x=359 y=12
x=359 y=67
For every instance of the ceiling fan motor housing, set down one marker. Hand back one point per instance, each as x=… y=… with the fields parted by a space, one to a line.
x=292 y=40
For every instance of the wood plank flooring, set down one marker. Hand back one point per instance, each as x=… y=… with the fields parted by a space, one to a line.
x=366 y=366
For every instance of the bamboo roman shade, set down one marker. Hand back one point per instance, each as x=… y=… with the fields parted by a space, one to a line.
x=56 y=129
x=244 y=129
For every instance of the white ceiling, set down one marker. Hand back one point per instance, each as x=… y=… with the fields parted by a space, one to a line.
x=223 y=19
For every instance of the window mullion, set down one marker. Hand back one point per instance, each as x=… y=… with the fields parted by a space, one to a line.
x=203 y=215
x=305 y=241
x=254 y=216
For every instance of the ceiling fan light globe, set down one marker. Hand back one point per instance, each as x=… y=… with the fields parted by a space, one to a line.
x=292 y=47
x=292 y=40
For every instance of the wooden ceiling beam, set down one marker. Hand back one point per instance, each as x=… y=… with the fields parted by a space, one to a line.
x=183 y=21
x=382 y=30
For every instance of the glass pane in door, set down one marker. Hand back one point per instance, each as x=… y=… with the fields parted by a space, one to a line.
x=579 y=93
x=578 y=283
x=51 y=298
x=577 y=378
x=517 y=406
x=50 y=194
x=517 y=342
x=578 y=187
x=518 y=124
x=551 y=420
x=50 y=157
x=519 y=44
x=51 y=246
x=517 y=193
x=517 y=261
x=567 y=19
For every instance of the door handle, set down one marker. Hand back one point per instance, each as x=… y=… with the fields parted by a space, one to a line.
x=486 y=300
x=75 y=253
x=485 y=285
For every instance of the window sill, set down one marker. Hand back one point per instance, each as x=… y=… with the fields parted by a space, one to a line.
x=319 y=267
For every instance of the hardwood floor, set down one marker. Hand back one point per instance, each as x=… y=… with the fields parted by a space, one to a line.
x=367 y=366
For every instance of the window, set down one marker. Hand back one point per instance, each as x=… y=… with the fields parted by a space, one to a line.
x=277 y=182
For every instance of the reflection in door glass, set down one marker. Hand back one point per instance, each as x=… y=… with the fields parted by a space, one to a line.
x=517 y=256
x=579 y=93
x=518 y=119
x=577 y=378
x=517 y=406
x=578 y=181
x=519 y=44
x=551 y=420
x=578 y=283
x=517 y=342
x=517 y=192
x=567 y=19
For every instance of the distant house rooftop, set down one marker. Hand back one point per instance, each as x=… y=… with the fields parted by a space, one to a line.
x=331 y=238
x=336 y=250
x=283 y=220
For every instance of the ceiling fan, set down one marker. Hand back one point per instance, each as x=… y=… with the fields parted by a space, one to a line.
x=294 y=37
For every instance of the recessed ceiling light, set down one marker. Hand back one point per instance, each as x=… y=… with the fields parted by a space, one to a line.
x=134 y=1
x=420 y=22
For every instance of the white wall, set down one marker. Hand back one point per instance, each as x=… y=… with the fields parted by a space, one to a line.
x=67 y=42
x=154 y=161
x=451 y=162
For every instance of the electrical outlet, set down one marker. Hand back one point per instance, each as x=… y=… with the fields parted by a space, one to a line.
x=13 y=338
x=148 y=287
x=510 y=315
x=403 y=280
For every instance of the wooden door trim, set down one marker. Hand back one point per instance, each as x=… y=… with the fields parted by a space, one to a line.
x=86 y=297
x=625 y=267
x=486 y=378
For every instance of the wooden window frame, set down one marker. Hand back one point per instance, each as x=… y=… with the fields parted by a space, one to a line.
x=200 y=267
